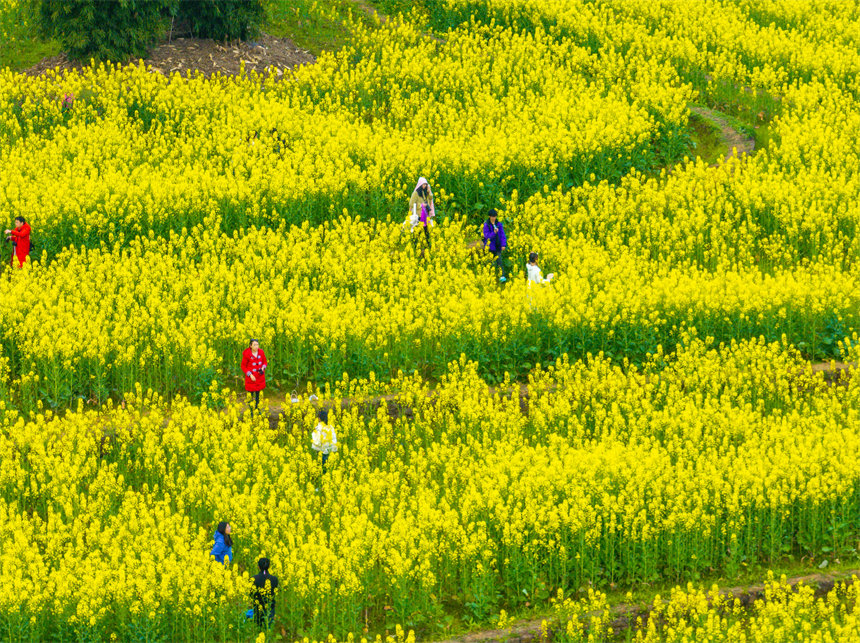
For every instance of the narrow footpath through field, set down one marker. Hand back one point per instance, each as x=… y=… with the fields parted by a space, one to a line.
x=625 y=616
x=280 y=404
x=737 y=143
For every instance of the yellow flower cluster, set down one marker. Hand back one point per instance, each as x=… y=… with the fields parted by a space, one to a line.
x=787 y=206
x=784 y=614
x=132 y=151
x=721 y=43
x=352 y=297
x=699 y=461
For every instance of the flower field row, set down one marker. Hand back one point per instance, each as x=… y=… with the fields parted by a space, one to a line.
x=86 y=155
x=702 y=460
x=173 y=314
x=720 y=46
x=790 y=204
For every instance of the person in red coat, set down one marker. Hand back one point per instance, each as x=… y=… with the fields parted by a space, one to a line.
x=254 y=367
x=20 y=237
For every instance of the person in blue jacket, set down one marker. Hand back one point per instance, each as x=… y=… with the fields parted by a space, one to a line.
x=495 y=241
x=222 y=550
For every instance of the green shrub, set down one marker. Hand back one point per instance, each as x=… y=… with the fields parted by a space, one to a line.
x=113 y=31
x=221 y=19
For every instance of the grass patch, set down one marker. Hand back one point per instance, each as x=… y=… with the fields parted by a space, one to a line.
x=765 y=136
x=21 y=54
x=315 y=25
x=20 y=43
x=706 y=140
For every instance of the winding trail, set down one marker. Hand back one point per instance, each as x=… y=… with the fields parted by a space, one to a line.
x=280 y=405
x=737 y=143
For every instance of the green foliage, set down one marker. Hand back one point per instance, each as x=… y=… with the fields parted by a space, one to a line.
x=27 y=52
x=20 y=45
x=114 y=31
x=221 y=19
x=706 y=140
x=393 y=7
x=312 y=25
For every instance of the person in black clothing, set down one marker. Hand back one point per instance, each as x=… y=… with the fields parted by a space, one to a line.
x=263 y=596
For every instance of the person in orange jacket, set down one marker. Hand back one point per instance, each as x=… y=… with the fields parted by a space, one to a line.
x=20 y=238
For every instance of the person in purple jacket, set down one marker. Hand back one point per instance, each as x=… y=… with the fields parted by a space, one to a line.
x=495 y=241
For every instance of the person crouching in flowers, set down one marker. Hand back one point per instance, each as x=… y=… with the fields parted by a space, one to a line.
x=222 y=550
x=533 y=273
x=324 y=437
x=254 y=367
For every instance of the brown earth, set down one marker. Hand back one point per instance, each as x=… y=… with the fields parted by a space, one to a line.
x=188 y=55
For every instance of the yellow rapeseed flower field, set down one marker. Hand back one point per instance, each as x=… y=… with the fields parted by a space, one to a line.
x=707 y=459
x=97 y=321
x=136 y=151
x=654 y=414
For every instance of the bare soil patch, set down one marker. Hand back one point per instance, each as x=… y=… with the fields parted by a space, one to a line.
x=186 y=56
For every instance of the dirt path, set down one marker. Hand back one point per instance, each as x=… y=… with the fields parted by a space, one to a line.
x=625 y=615
x=733 y=139
x=280 y=403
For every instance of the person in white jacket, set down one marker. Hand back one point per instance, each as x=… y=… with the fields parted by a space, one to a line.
x=324 y=437
x=533 y=271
